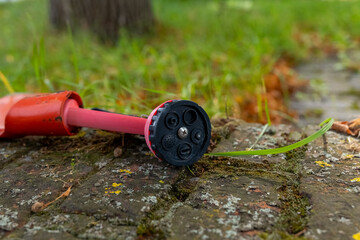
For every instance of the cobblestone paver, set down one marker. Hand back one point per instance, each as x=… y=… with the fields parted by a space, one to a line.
x=311 y=193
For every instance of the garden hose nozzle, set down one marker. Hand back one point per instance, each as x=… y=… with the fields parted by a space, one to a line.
x=177 y=131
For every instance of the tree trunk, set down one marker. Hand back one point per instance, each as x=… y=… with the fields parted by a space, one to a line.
x=104 y=17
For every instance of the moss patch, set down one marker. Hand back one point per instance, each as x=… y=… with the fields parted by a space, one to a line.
x=294 y=211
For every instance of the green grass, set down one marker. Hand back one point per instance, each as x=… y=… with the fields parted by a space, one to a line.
x=208 y=51
x=325 y=126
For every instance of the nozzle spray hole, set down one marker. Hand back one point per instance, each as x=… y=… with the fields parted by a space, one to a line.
x=168 y=141
x=197 y=136
x=184 y=151
x=172 y=120
x=190 y=117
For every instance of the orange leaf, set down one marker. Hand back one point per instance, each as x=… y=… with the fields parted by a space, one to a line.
x=67 y=192
x=351 y=128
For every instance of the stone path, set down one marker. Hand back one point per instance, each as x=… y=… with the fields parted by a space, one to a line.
x=135 y=196
x=335 y=93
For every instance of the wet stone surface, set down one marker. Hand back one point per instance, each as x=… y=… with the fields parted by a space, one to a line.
x=120 y=191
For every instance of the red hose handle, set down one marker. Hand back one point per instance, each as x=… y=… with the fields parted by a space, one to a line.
x=41 y=115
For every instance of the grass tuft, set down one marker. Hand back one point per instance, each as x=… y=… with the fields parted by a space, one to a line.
x=208 y=51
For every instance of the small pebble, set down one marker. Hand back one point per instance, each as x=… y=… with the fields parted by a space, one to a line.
x=37 y=207
x=118 y=152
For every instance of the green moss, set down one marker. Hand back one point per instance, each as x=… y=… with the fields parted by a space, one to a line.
x=184 y=185
x=292 y=163
x=279 y=235
x=220 y=166
x=148 y=231
x=294 y=214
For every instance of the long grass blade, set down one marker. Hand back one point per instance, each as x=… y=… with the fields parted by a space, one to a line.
x=6 y=83
x=266 y=126
x=74 y=57
x=266 y=105
x=159 y=91
x=326 y=125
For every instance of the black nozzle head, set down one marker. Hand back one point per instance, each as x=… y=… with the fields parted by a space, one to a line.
x=180 y=132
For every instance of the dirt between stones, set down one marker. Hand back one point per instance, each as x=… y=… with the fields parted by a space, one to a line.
x=309 y=193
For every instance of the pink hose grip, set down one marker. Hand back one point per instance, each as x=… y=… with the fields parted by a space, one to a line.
x=104 y=120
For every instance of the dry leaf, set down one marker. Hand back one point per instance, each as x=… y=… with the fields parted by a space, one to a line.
x=351 y=128
x=39 y=206
x=67 y=192
x=356 y=236
x=354 y=126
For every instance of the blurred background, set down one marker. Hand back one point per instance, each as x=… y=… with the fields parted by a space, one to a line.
x=237 y=58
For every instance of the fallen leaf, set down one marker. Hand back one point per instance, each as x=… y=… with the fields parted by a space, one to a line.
x=351 y=128
x=67 y=192
x=125 y=171
x=39 y=206
x=322 y=164
x=349 y=156
x=354 y=126
x=355 y=179
x=116 y=184
x=356 y=236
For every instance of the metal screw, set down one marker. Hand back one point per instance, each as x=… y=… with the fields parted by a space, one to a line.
x=183 y=132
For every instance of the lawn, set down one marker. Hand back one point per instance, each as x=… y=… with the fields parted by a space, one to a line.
x=213 y=52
